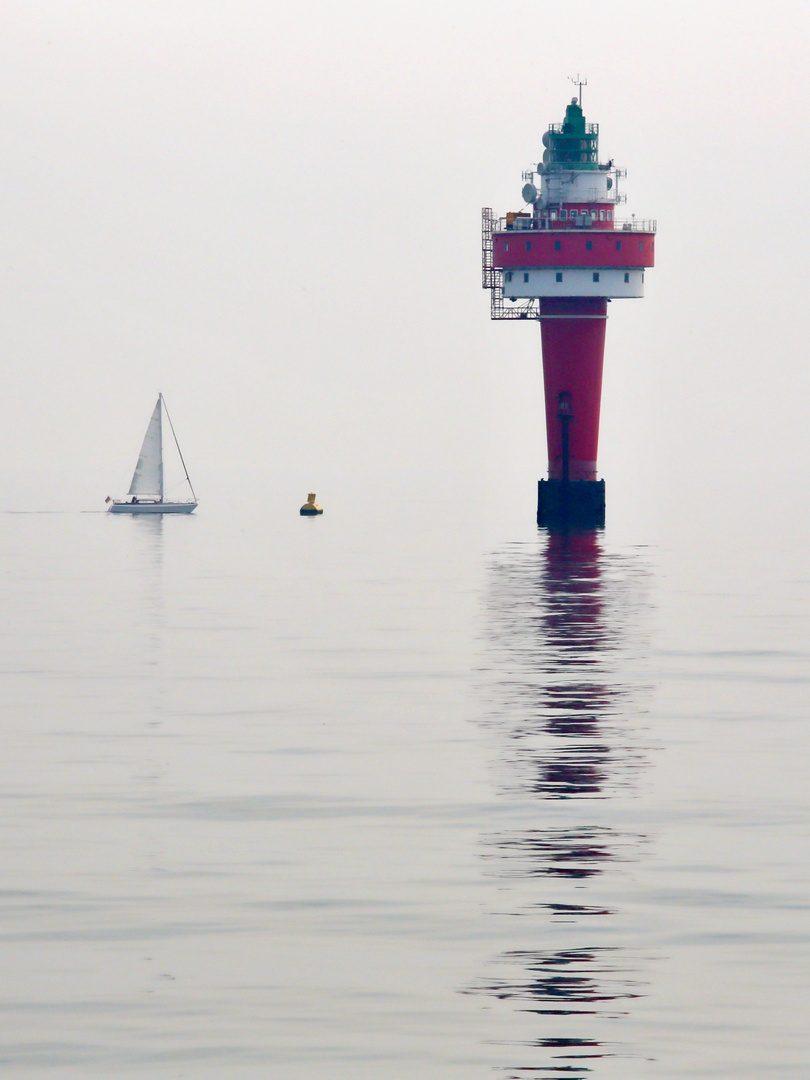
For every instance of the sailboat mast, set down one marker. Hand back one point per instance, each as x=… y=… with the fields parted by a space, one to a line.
x=160 y=448
x=179 y=451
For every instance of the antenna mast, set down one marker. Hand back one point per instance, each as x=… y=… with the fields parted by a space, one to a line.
x=579 y=81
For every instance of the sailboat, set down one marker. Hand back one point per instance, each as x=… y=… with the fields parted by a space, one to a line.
x=146 y=490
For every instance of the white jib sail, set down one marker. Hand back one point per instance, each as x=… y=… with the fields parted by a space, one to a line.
x=147 y=480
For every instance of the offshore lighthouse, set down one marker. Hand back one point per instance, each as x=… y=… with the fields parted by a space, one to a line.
x=560 y=260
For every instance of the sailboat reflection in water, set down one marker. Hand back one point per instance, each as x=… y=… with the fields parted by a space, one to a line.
x=146 y=494
x=566 y=630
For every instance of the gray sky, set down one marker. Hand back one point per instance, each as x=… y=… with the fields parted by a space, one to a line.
x=271 y=213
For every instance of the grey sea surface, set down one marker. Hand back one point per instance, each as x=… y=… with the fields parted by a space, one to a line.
x=352 y=798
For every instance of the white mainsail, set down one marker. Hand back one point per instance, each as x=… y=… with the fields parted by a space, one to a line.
x=147 y=480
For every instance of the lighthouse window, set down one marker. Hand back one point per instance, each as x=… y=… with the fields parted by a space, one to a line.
x=509 y=275
x=589 y=245
x=506 y=246
x=557 y=245
x=525 y=277
x=641 y=245
x=596 y=275
x=528 y=245
x=558 y=276
x=601 y=215
x=627 y=279
x=618 y=245
x=610 y=215
x=563 y=215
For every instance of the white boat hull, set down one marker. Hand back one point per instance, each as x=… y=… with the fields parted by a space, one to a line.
x=152 y=508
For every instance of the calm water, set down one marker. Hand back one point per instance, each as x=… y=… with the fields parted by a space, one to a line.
x=296 y=798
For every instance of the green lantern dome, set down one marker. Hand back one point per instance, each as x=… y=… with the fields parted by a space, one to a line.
x=573 y=143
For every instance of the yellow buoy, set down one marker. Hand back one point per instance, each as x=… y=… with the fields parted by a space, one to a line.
x=310 y=507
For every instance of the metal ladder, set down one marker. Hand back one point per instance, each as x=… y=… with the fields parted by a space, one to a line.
x=493 y=279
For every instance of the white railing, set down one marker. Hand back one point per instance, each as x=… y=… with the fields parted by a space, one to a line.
x=583 y=221
x=636 y=224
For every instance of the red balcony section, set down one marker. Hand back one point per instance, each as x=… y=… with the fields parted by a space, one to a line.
x=527 y=250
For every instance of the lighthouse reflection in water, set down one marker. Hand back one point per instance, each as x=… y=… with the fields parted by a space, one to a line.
x=566 y=644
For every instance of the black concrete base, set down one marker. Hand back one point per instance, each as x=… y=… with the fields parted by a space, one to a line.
x=578 y=504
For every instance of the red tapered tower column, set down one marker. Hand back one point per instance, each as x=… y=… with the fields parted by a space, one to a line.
x=560 y=260
x=573 y=335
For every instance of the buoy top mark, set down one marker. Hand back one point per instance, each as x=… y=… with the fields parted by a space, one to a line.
x=310 y=507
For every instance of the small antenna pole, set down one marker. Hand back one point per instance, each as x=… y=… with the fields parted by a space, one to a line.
x=579 y=81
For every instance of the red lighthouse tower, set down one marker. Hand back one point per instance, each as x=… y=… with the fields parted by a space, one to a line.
x=560 y=260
